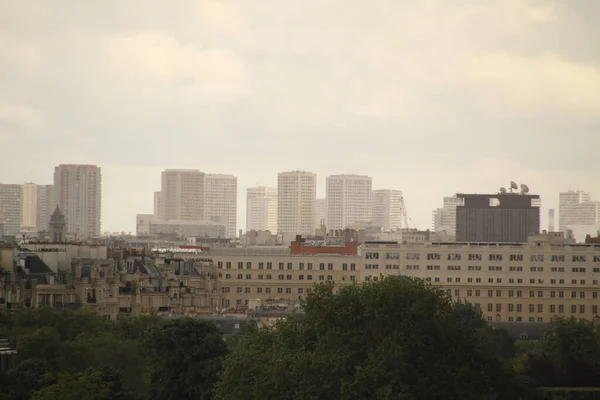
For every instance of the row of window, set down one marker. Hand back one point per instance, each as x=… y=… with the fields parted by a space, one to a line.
x=491 y=268
x=479 y=257
x=519 y=293
x=539 y=308
x=517 y=281
x=288 y=277
x=260 y=290
x=281 y=266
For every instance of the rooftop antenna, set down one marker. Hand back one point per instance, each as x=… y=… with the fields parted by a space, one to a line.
x=524 y=189
x=502 y=190
x=513 y=186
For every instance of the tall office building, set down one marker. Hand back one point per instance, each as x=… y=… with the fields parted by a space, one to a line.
x=159 y=206
x=78 y=190
x=182 y=195
x=444 y=219
x=10 y=209
x=29 y=208
x=261 y=209
x=578 y=213
x=321 y=213
x=221 y=201
x=497 y=218
x=348 y=200
x=46 y=204
x=387 y=209
x=296 y=202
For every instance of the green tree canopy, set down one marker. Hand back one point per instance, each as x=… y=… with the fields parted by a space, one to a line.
x=397 y=338
x=187 y=354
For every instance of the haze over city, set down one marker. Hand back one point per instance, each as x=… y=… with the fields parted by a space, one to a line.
x=425 y=97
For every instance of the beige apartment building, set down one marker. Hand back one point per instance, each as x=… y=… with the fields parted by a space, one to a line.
x=277 y=274
x=296 y=203
x=549 y=276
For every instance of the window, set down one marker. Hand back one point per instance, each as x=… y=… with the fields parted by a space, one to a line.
x=495 y=268
x=240 y=265
x=372 y=256
x=453 y=267
x=573 y=309
x=433 y=267
x=392 y=256
x=288 y=290
x=580 y=270
x=289 y=266
x=498 y=307
x=557 y=258
x=238 y=290
x=268 y=290
x=540 y=308
x=310 y=266
x=457 y=292
x=490 y=307
x=515 y=269
x=344 y=267
x=540 y=293
x=329 y=277
x=561 y=308
x=352 y=267
x=247 y=290
x=552 y=308
x=240 y=276
x=579 y=258
x=248 y=276
x=322 y=267
x=516 y=257
x=536 y=269
x=321 y=277
x=228 y=265
x=557 y=269
x=474 y=267
x=594 y=309
x=469 y=293
x=475 y=257
x=413 y=267
x=372 y=266
x=288 y=277
x=477 y=292
x=300 y=277
x=261 y=265
x=260 y=276
x=511 y=308
x=536 y=258
x=434 y=256
x=454 y=257
x=301 y=266
x=248 y=265
x=220 y=265
x=279 y=290
x=281 y=265
x=330 y=266
x=519 y=307
x=309 y=277
x=269 y=265
x=495 y=257
x=413 y=256
x=498 y=293
x=269 y=276
x=532 y=308
x=280 y=277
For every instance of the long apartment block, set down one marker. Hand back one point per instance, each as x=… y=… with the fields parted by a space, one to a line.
x=548 y=276
x=279 y=273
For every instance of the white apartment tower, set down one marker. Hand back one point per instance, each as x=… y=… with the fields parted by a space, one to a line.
x=579 y=213
x=159 y=206
x=444 y=219
x=182 y=195
x=321 y=213
x=79 y=195
x=261 y=209
x=46 y=204
x=387 y=209
x=10 y=209
x=348 y=200
x=221 y=201
x=29 y=208
x=296 y=202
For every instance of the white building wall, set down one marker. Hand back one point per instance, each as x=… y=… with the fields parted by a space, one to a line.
x=29 y=203
x=579 y=213
x=261 y=209
x=296 y=202
x=348 y=200
x=221 y=201
x=321 y=213
x=387 y=209
x=79 y=196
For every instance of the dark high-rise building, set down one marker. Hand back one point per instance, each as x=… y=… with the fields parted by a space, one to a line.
x=497 y=218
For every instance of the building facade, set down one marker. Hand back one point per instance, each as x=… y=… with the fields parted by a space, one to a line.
x=348 y=200
x=296 y=202
x=29 y=207
x=182 y=195
x=46 y=203
x=321 y=213
x=261 y=209
x=496 y=218
x=578 y=213
x=444 y=219
x=10 y=209
x=221 y=201
x=78 y=191
x=159 y=206
x=387 y=209
x=535 y=281
x=148 y=225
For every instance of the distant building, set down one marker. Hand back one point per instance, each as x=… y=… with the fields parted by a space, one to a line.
x=579 y=213
x=221 y=201
x=296 y=203
x=78 y=190
x=148 y=225
x=159 y=205
x=261 y=209
x=387 y=209
x=321 y=213
x=46 y=203
x=10 y=209
x=348 y=200
x=57 y=226
x=29 y=208
x=508 y=217
x=444 y=219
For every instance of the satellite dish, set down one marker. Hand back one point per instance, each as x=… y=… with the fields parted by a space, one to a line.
x=513 y=186
x=503 y=190
x=524 y=189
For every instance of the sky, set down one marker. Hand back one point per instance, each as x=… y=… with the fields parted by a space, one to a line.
x=430 y=97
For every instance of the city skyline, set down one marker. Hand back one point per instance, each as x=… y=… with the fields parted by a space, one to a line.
x=422 y=220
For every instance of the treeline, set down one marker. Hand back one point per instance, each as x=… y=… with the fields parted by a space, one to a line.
x=392 y=339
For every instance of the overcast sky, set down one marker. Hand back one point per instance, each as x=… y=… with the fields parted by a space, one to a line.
x=431 y=97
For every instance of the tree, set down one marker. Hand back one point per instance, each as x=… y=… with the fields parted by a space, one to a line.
x=187 y=354
x=20 y=382
x=569 y=356
x=391 y=339
x=94 y=384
